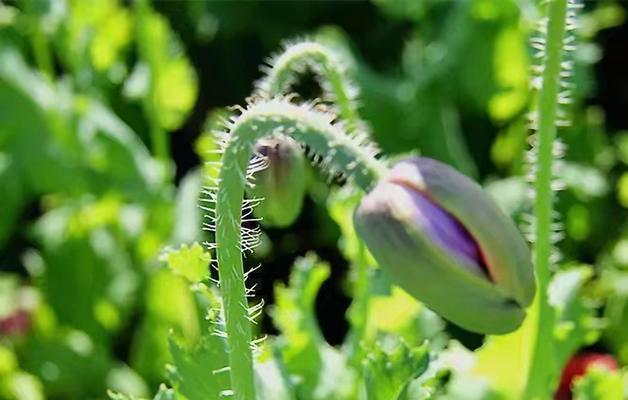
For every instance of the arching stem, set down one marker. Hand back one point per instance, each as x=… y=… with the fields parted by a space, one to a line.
x=330 y=70
x=339 y=154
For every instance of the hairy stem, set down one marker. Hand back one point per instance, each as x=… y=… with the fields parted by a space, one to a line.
x=543 y=360
x=340 y=153
x=330 y=70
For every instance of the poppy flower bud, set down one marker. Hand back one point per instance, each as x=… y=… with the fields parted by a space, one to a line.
x=282 y=183
x=446 y=242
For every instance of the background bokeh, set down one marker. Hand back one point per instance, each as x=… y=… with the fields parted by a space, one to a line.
x=106 y=109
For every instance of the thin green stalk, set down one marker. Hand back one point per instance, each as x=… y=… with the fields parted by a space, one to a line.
x=358 y=312
x=331 y=72
x=543 y=359
x=160 y=145
x=340 y=153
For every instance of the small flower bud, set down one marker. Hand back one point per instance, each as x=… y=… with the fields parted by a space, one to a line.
x=282 y=183
x=445 y=241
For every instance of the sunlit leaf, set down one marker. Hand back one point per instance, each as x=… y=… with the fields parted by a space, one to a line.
x=190 y=262
x=599 y=384
x=319 y=371
x=390 y=366
x=200 y=372
x=173 y=82
x=170 y=306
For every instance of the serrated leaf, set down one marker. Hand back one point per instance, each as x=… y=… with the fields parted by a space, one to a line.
x=599 y=384
x=318 y=370
x=199 y=371
x=294 y=310
x=390 y=366
x=190 y=262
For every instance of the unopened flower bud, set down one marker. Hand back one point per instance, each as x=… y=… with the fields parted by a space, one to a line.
x=282 y=183
x=446 y=242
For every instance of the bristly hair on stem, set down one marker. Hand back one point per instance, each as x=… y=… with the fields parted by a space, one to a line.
x=335 y=151
x=282 y=71
x=552 y=43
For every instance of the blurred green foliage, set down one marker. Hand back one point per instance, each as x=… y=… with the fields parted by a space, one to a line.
x=100 y=232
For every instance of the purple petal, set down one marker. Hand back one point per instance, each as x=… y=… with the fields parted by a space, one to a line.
x=443 y=228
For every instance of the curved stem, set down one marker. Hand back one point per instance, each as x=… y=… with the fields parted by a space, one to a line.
x=339 y=153
x=326 y=65
x=543 y=360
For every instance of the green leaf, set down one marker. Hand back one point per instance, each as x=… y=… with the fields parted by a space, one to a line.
x=163 y=394
x=23 y=93
x=94 y=36
x=190 y=262
x=511 y=74
x=82 y=146
x=123 y=379
x=294 y=310
x=69 y=363
x=173 y=83
x=270 y=381
x=170 y=306
x=21 y=386
x=599 y=384
x=84 y=258
x=576 y=321
x=340 y=205
x=399 y=313
x=199 y=371
x=317 y=369
x=120 y=396
x=188 y=219
x=390 y=366
x=616 y=310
